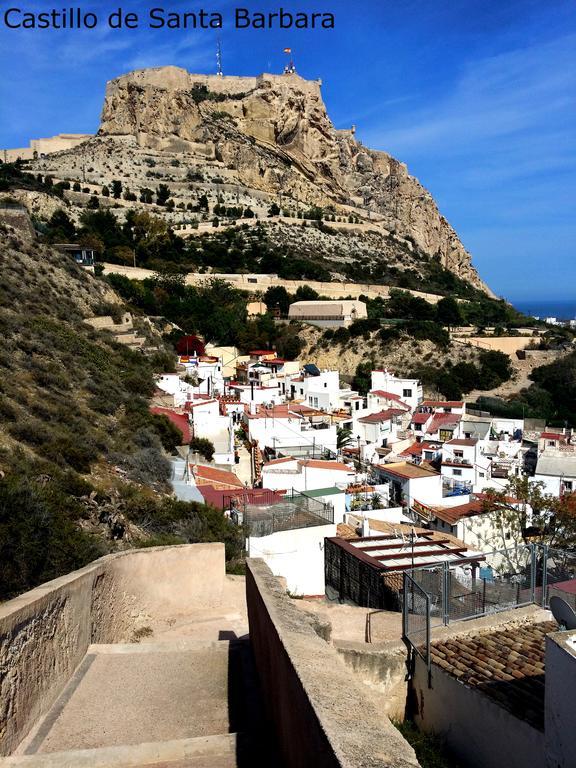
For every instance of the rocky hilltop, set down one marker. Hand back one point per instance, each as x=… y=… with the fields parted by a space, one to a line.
x=270 y=137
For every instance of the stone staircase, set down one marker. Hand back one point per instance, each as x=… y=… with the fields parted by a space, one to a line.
x=183 y=703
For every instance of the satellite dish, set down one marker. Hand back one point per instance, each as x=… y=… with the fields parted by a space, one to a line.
x=562 y=612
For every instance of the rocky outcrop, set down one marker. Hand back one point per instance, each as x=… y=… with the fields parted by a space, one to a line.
x=274 y=131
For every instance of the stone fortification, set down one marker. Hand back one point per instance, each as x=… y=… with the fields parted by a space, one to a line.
x=274 y=131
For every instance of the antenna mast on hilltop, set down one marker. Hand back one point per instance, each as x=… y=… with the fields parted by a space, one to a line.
x=289 y=69
x=219 y=59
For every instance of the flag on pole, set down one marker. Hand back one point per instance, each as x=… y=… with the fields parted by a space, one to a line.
x=287 y=50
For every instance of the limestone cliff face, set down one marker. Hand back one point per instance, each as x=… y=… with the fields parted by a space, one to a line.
x=274 y=131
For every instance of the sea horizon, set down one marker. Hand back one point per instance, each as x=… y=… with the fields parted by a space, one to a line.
x=562 y=309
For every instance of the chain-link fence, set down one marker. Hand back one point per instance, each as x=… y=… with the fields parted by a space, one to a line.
x=466 y=589
x=416 y=617
x=555 y=575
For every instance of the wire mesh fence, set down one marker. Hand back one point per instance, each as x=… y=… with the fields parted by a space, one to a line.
x=467 y=589
x=416 y=617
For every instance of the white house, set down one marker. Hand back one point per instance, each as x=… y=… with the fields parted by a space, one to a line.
x=268 y=394
x=410 y=483
x=463 y=462
x=172 y=384
x=207 y=372
x=320 y=389
x=291 y=429
x=219 y=429
x=557 y=471
x=476 y=526
x=305 y=474
x=408 y=390
x=380 y=428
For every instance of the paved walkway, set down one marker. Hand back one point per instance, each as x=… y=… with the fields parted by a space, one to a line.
x=186 y=696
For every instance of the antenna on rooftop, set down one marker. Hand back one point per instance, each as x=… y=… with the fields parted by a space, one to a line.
x=219 y=58
x=563 y=613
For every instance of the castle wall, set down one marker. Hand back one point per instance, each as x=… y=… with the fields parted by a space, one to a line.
x=45 y=633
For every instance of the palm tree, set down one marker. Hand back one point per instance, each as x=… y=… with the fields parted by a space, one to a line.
x=343 y=437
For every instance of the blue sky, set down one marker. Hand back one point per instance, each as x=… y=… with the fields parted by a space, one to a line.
x=477 y=97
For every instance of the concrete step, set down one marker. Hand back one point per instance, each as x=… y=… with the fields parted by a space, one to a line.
x=205 y=752
x=129 y=694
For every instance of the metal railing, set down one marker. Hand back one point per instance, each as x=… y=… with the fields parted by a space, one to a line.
x=265 y=514
x=509 y=578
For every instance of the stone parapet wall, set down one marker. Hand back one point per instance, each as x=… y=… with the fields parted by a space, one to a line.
x=45 y=633
x=322 y=714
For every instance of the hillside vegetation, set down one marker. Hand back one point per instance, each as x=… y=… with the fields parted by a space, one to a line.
x=82 y=461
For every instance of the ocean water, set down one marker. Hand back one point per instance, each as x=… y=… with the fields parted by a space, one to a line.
x=563 y=310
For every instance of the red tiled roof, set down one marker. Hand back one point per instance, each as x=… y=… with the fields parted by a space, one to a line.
x=416 y=448
x=180 y=421
x=453 y=515
x=443 y=420
x=189 y=404
x=318 y=464
x=262 y=352
x=212 y=474
x=506 y=665
x=387 y=395
x=421 y=418
x=462 y=441
x=284 y=411
x=553 y=436
x=221 y=497
x=375 y=418
x=283 y=460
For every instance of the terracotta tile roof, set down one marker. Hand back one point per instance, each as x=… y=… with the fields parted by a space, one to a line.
x=452 y=515
x=421 y=418
x=213 y=476
x=443 y=420
x=180 y=421
x=319 y=464
x=273 y=462
x=283 y=411
x=463 y=441
x=346 y=531
x=416 y=448
x=507 y=666
x=376 y=418
x=389 y=396
x=553 y=436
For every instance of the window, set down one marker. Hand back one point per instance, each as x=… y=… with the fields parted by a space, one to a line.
x=551 y=443
x=325 y=385
x=481 y=474
x=357 y=405
x=459 y=454
x=567 y=485
x=457 y=472
x=406 y=393
x=418 y=427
